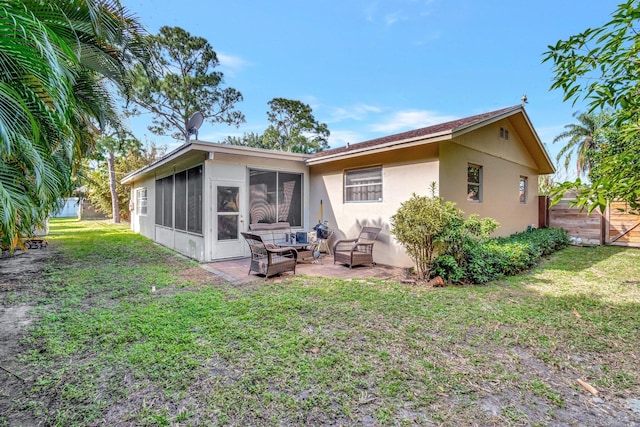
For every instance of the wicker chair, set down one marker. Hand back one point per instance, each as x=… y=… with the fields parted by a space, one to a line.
x=269 y=259
x=356 y=251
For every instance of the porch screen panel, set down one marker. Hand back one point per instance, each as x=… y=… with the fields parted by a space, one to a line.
x=159 y=210
x=275 y=196
x=181 y=201
x=262 y=196
x=194 y=199
x=290 y=198
x=164 y=201
x=167 y=201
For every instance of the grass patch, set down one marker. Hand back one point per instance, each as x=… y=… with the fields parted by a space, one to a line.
x=107 y=350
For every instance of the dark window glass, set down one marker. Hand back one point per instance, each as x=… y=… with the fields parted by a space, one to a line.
x=275 y=196
x=159 y=209
x=228 y=199
x=363 y=185
x=181 y=201
x=262 y=197
x=290 y=198
x=523 y=189
x=194 y=199
x=228 y=207
x=474 y=183
x=167 y=202
x=227 y=227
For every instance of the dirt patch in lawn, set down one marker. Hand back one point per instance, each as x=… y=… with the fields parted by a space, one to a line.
x=20 y=276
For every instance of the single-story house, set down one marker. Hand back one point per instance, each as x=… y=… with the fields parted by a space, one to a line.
x=198 y=198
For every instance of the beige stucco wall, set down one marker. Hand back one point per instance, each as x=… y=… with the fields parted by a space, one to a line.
x=144 y=224
x=503 y=163
x=404 y=172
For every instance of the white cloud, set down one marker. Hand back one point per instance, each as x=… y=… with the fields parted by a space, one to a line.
x=340 y=138
x=370 y=11
x=429 y=37
x=355 y=112
x=392 y=18
x=409 y=10
x=231 y=64
x=407 y=120
x=311 y=101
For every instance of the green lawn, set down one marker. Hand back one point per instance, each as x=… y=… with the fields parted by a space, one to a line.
x=106 y=350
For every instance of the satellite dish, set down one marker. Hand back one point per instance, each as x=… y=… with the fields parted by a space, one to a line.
x=194 y=124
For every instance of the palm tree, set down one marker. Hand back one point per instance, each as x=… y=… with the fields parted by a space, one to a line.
x=56 y=58
x=582 y=139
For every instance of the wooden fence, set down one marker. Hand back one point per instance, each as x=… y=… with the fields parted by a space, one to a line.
x=621 y=227
x=613 y=227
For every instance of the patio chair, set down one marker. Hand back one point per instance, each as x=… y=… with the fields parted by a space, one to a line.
x=356 y=251
x=269 y=259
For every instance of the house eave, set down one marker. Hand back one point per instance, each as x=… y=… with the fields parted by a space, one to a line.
x=211 y=147
x=546 y=166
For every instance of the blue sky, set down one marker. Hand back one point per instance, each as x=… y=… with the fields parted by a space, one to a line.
x=374 y=68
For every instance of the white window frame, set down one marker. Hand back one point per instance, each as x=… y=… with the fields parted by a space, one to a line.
x=474 y=184
x=142 y=201
x=367 y=184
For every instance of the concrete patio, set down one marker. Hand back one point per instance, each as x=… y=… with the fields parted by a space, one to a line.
x=235 y=271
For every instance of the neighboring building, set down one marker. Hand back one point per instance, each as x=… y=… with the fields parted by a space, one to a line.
x=70 y=208
x=488 y=164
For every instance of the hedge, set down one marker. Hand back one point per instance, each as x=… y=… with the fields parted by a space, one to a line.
x=508 y=256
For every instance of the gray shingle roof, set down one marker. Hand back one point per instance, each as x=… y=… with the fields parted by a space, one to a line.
x=451 y=126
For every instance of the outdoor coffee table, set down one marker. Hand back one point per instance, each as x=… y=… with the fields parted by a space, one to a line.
x=305 y=250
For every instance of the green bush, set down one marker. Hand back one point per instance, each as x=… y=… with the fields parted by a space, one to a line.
x=507 y=256
x=447 y=267
x=430 y=228
x=420 y=224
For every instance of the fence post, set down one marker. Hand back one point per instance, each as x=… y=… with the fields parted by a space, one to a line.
x=543 y=212
x=604 y=226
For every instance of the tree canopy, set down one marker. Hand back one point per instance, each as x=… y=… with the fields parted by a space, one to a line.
x=57 y=60
x=583 y=139
x=293 y=128
x=108 y=144
x=600 y=65
x=102 y=189
x=185 y=82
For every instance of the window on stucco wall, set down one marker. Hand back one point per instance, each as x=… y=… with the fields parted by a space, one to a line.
x=141 y=201
x=363 y=185
x=474 y=183
x=524 y=184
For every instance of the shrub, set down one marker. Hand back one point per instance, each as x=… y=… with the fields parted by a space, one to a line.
x=419 y=224
x=447 y=267
x=429 y=227
x=507 y=256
